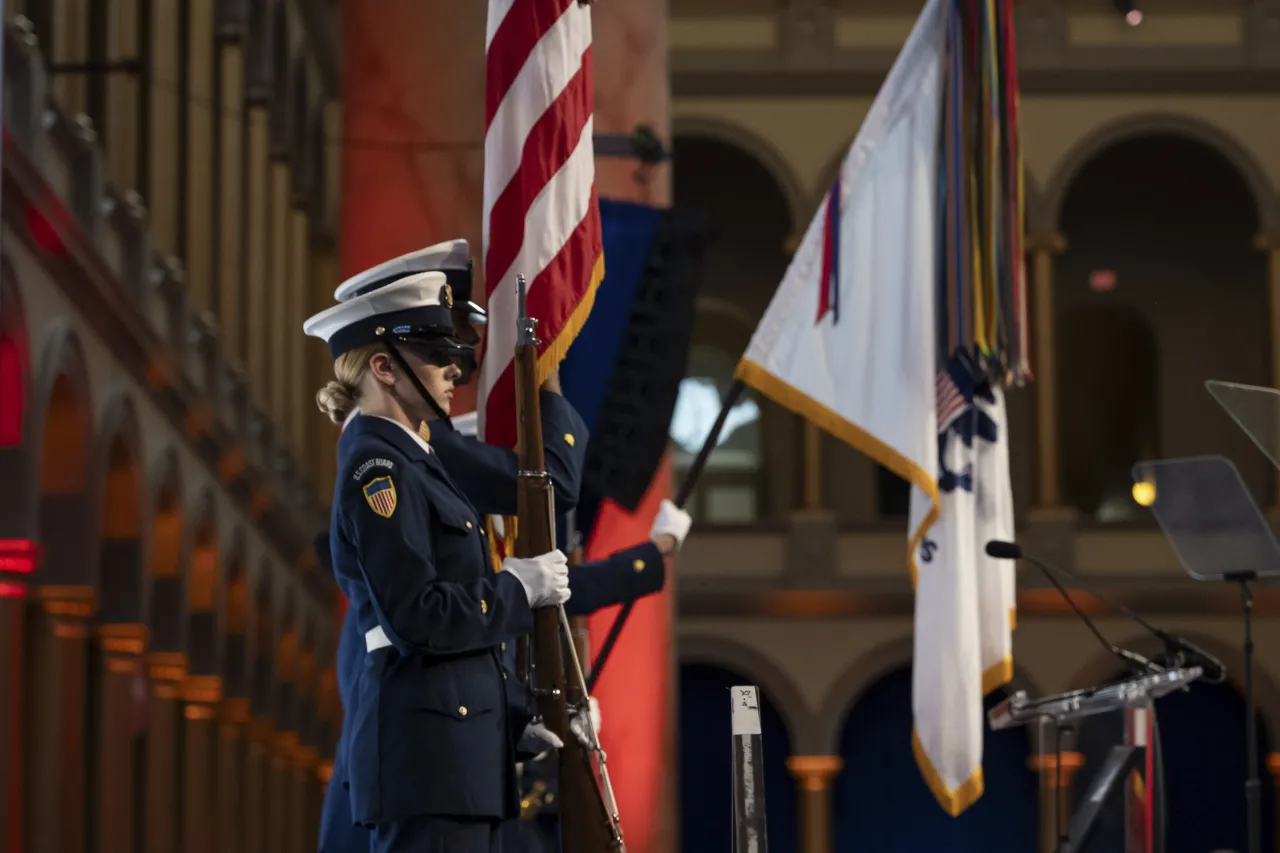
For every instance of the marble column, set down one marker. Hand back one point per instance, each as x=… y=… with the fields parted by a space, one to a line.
x=233 y=774
x=164 y=733
x=18 y=559
x=814 y=773
x=120 y=651
x=633 y=88
x=1270 y=243
x=162 y=190
x=257 y=819
x=257 y=258
x=55 y=765
x=123 y=98
x=280 y=815
x=419 y=177
x=1055 y=793
x=812 y=467
x=201 y=695
x=1043 y=248
x=231 y=198
x=279 y=347
x=201 y=65
x=305 y=818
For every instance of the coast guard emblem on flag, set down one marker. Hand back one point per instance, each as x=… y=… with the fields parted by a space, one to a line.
x=380 y=494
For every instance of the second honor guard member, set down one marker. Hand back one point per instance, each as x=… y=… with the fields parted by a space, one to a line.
x=432 y=751
x=487 y=476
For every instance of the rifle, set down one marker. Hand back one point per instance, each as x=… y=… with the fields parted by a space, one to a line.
x=588 y=813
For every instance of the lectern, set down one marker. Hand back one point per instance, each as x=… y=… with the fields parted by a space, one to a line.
x=1127 y=766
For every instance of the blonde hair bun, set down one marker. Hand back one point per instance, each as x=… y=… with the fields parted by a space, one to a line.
x=337 y=400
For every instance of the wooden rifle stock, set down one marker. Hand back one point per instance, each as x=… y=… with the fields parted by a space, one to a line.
x=588 y=819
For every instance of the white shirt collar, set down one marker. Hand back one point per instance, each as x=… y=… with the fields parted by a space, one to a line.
x=426 y=448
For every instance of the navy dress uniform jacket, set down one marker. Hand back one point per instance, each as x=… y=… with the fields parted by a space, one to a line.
x=430 y=734
x=487 y=476
x=338 y=833
x=488 y=473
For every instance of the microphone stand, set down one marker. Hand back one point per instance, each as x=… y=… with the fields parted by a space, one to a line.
x=1252 y=784
x=1131 y=659
x=1011 y=551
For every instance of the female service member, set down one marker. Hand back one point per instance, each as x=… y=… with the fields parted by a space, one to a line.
x=432 y=751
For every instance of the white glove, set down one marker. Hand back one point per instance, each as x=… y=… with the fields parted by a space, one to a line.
x=671 y=521
x=545 y=578
x=538 y=739
x=579 y=731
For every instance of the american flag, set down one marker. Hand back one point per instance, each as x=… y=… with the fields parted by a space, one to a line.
x=541 y=217
x=951 y=400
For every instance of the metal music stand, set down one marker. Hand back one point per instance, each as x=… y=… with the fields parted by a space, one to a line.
x=1135 y=697
x=1219 y=534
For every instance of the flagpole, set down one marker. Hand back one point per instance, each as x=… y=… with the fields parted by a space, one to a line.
x=682 y=497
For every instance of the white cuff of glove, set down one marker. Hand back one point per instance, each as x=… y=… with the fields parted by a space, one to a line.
x=579 y=730
x=545 y=578
x=539 y=739
x=671 y=521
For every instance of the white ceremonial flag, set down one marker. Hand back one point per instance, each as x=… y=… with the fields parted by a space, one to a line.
x=850 y=343
x=964 y=599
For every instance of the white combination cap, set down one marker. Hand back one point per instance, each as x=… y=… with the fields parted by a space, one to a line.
x=417 y=306
x=452 y=257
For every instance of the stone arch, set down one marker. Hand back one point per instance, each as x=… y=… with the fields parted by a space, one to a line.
x=1167 y=243
x=166 y=555
x=740 y=320
x=759 y=149
x=863 y=673
x=204 y=570
x=16 y=501
x=721 y=332
x=60 y=426
x=1104 y=665
x=767 y=675
x=263 y=639
x=1160 y=124
x=236 y=621
x=122 y=527
x=1123 y=423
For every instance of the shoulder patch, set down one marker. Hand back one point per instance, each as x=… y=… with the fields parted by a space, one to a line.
x=380 y=494
x=366 y=466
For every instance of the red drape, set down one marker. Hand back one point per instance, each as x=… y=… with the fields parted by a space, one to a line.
x=634 y=689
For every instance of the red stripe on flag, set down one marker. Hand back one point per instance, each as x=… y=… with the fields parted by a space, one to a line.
x=524 y=25
x=634 y=689
x=824 y=286
x=553 y=138
x=554 y=294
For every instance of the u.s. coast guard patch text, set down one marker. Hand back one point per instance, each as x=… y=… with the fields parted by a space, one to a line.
x=372 y=463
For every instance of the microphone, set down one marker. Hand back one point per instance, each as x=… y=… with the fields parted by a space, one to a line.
x=1011 y=551
x=1175 y=646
